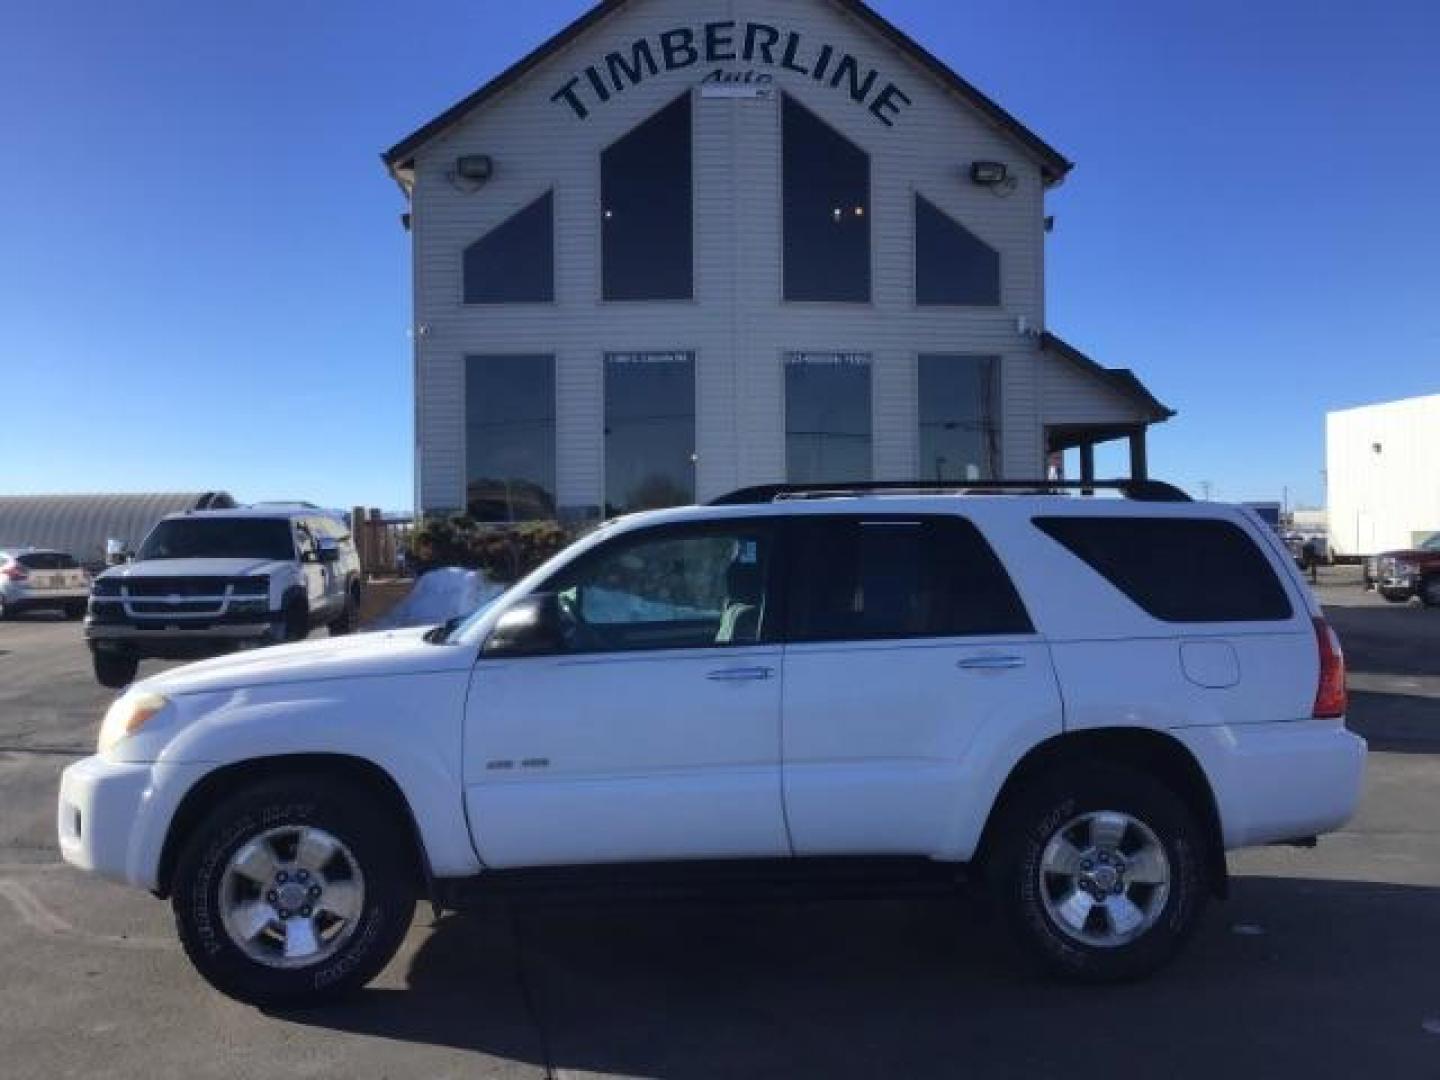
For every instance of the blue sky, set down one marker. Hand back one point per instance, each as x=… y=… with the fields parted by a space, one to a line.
x=203 y=280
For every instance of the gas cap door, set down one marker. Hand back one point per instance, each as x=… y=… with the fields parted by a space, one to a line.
x=1211 y=664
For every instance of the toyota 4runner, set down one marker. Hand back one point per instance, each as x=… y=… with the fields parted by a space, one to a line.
x=212 y=581
x=1079 y=703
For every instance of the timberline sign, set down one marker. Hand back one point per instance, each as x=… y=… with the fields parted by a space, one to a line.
x=717 y=44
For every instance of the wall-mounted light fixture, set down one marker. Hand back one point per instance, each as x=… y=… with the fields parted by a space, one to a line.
x=989 y=173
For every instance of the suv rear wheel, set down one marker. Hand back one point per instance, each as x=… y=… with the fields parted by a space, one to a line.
x=294 y=891
x=1100 y=871
x=114 y=670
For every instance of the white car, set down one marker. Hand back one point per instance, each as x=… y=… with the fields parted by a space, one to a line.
x=35 y=579
x=1086 y=700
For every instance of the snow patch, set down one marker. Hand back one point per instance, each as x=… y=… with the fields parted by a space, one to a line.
x=440 y=595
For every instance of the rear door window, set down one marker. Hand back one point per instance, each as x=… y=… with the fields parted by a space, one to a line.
x=1191 y=570
x=884 y=577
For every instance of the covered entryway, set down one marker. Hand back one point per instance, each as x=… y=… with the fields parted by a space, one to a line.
x=1087 y=404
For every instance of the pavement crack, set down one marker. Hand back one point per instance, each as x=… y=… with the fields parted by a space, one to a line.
x=528 y=994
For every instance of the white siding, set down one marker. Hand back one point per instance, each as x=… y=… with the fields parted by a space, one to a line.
x=737 y=325
x=1072 y=395
x=1382 y=500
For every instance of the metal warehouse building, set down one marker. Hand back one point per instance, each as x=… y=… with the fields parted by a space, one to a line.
x=687 y=246
x=82 y=524
x=1382 y=471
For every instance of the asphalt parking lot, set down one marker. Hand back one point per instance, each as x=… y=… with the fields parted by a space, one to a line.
x=1323 y=963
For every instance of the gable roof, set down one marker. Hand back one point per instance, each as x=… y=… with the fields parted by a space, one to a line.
x=1122 y=380
x=1053 y=165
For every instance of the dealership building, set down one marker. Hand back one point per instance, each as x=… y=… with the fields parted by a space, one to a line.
x=686 y=246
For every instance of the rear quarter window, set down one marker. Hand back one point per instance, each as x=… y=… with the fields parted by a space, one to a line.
x=1184 y=570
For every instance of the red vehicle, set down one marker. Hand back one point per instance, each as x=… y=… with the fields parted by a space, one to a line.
x=1399 y=575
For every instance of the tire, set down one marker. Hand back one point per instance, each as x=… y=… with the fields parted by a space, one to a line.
x=1395 y=597
x=1070 y=804
x=350 y=617
x=114 y=670
x=296 y=625
x=260 y=827
x=1430 y=591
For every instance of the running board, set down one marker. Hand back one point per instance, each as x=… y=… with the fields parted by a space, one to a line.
x=744 y=879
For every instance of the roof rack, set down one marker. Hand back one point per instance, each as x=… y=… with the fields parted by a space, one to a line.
x=1136 y=490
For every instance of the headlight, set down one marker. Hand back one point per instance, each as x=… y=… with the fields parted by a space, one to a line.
x=253 y=586
x=128 y=715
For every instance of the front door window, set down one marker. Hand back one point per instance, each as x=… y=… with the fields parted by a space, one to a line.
x=670 y=589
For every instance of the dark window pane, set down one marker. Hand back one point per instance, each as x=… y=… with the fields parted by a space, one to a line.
x=47 y=560
x=952 y=264
x=510 y=438
x=889 y=577
x=515 y=262
x=958 y=435
x=670 y=588
x=1177 y=569
x=649 y=431
x=827 y=210
x=827 y=417
x=646 y=198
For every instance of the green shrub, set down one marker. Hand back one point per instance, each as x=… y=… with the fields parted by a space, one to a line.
x=505 y=553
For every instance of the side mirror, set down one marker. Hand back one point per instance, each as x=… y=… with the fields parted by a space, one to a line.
x=530 y=627
x=327 y=550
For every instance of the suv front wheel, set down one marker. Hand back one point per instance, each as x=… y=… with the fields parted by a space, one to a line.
x=294 y=891
x=1100 y=871
x=350 y=615
x=114 y=671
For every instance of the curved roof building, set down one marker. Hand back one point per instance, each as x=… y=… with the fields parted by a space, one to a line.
x=81 y=524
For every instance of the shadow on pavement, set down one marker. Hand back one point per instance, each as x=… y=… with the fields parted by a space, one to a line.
x=1289 y=977
x=1398 y=723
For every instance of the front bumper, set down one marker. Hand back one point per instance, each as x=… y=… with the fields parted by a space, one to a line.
x=112 y=817
x=1280 y=781
x=169 y=641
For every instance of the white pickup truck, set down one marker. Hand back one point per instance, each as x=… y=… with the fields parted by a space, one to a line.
x=1086 y=700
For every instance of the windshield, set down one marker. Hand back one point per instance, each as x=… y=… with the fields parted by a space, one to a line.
x=219 y=538
x=1433 y=544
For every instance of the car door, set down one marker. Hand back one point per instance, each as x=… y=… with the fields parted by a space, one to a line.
x=653 y=731
x=912 y=666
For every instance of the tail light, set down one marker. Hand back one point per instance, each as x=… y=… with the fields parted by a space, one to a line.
x=15 y=572
x=1330 y=697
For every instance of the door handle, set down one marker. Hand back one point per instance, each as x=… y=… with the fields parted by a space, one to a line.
x=740 y=674
x=991 y=663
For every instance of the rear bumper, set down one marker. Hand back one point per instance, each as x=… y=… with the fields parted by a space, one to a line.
x=1283 y=781
x=37 y=599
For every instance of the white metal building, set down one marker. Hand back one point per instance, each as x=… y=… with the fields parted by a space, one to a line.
x=1382 y=469
x=692 y=245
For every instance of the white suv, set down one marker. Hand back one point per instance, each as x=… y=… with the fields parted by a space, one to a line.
x=211 y=581
x=1086 y=700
